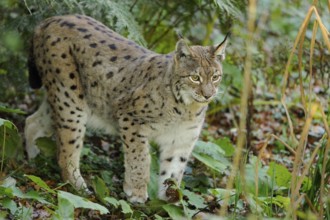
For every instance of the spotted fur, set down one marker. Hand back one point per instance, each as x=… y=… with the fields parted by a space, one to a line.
x=96 y=78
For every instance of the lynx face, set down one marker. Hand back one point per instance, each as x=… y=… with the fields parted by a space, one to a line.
x=199 y=72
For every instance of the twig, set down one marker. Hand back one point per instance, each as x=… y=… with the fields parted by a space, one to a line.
x=249 y=118
x=325 y=159
x=241 y=140
x=3 y=147
x=306 y=168
x=27 y=7
x=285 y=144
x=134 y=3
x=298 y=161
x=292 y=136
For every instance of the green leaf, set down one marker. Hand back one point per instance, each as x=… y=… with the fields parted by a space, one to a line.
x=154 y=168
x=280 y=201
x=7 y=123
x=306 y=184
x=65 y=209
x=285 y=201
x=226 y=146
x=173 y=211
x=264 y=181
x=13 y=41
x=212 y=155
x=80 y=202
x=112 y=201
x=25 y=213
x=10 y=137
x=40 y=183
x=194 y=199
x=255 y=206
x=209 y=148
x=13 y=191
x=36 y=196
x=155 y=205
x=3 y=214
x=9 y=204
x=280 y=173
x=8 y=182
x=157 y=217
x=10 y=110
x=8 y=189
x=125 y=207
x=47 y=146
x=5 y=191
x=210 y=162
x=100 y=188
x=220 y=193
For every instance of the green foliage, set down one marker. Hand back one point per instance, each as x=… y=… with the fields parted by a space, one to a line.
x=212 y=155
x=100 y=188
x=47 y=146
x=78 y=202
x=10 y=142
x=64 y=209
x=280 y=173
x=229 y=6
x=173 y=211
x=255 y=172
x=10 y=110
x=40 y=183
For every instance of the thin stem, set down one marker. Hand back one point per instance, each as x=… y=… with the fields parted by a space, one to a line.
x=241 y=140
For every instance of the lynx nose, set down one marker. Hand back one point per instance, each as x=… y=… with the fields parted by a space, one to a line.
x=207 y=91
x=207 y=96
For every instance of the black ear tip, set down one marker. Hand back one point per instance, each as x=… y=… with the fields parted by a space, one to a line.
x=227 y=35
x=224 y=40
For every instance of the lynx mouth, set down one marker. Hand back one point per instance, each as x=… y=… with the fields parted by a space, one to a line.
x=205 y=101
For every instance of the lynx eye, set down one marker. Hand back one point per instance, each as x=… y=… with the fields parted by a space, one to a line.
x=216 y=78
x=195 y=78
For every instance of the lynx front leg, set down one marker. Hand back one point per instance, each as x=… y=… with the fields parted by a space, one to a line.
x=172 y=165
x=137 y=164
x=174 y=155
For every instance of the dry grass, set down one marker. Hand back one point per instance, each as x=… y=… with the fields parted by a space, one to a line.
x=311 y=105
x=246 y=91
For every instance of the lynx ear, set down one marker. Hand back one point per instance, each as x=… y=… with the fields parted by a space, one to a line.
x=219 y=50
x=182 y=49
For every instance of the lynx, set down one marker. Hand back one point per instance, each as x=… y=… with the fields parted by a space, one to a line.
x=95 y=78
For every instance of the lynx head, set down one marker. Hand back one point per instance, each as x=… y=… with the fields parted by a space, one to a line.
x=198 y=71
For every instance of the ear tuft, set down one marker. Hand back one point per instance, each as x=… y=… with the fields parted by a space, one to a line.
x=182 y=49
x=219 y=50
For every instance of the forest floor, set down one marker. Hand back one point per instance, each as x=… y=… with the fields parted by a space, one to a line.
x=102 y=157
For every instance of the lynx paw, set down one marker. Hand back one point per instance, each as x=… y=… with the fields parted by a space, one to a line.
x=76 y=180
x=139 y=195
x=169 y=191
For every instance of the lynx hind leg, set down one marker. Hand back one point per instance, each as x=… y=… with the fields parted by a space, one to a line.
x=70 y=125
x=37 y=125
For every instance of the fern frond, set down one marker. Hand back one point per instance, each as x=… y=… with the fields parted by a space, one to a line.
x=117 y=15
x=229 y=6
